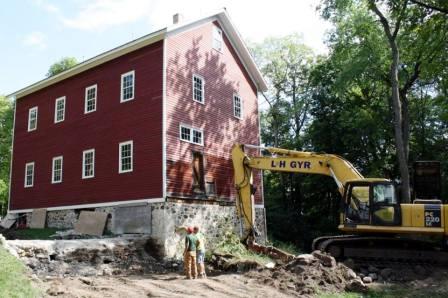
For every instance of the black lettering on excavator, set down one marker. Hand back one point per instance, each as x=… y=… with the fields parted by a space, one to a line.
x=292 y=164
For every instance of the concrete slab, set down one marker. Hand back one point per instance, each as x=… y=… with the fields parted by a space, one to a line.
x=132 y=220
x=38 y=219
x=91 y=223
x=7 y=223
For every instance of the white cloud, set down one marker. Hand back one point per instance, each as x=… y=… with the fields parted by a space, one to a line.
x=98 y=15
x=45 y=5
x=35 y=39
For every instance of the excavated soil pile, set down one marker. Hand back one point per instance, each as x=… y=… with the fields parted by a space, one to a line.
x=309 y=274
x=114 y=256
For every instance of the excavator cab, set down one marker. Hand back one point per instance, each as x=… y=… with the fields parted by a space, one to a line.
x=368 y=202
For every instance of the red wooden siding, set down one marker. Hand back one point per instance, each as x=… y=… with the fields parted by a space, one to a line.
x=113 y=122
x=191 y=53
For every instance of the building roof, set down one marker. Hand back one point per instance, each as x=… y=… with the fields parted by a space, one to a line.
x=222 y=17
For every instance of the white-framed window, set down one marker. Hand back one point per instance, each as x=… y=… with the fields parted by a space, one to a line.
x=59 y=109
x=56 y=172
x=88 y=164
x=90 y=99
x=125 y=157
x=191 y=134
x=29 y=174
x=198 y=88
x=217 y=38
x=237 y=106
x=32 y=119
x=127 y=86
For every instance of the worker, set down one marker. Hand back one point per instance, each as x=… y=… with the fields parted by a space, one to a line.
x=200 y=252
x=190 y=254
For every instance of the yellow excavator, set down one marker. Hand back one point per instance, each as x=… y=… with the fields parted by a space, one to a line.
x=374 y=223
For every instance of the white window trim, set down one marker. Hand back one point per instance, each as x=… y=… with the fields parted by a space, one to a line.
x=52 y=168
x=84 y=163
x=241 y=106
x=191 y=134
x=56 y=109
x=32 y=180
x=133 y=86
x=120 y=171
x=85 y=98
x=213 y=38
x=29 y=118
x=203 y=88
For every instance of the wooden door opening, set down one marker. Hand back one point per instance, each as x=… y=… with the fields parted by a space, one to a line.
x=198 y=173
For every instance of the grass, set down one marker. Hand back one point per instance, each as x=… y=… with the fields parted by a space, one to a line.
x=13 y=280
x=285 y=246
x=35 y=234
x=231 y=244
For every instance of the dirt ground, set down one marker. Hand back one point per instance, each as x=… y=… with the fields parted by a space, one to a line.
x=157 y=285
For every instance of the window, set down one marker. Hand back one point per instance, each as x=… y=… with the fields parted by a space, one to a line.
x=127 y=86
x=198 y=89
x=32 y=119
x=90 y=100
x=191 y=135
x=125 y=157
x=217 y=39
x=29 y=174
x=88 y=164
x=56 y=174
x=59 y=109
x=237 y=106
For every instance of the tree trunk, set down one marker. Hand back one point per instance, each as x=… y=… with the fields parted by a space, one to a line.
x=398 y=125
x=401 y=147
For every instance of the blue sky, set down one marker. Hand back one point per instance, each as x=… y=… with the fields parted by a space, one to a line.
x=36 y=33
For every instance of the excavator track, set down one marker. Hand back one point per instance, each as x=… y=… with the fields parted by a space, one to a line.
x=381 y=249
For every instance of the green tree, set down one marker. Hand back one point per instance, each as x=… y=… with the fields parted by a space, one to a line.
x=61 y=65
x=6 y=123
x=406 y=44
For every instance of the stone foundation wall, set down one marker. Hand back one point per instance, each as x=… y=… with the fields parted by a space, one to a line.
x=213 y=220
x=260 y=225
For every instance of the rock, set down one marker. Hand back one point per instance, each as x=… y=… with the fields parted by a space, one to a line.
x=373 y=275
x=270 y=265
x=350 y=274
x=86 y=281
x=420 y=271
x=356 y=285
x=41 y=256
x=361 y=275
x=373 y=269
x=107 y=271
x=386 y=273
x=2 y=240
x=55 y=291
x=367 y=279
x=326 y=260
x=305 y=259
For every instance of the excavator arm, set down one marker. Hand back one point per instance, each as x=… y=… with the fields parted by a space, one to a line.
x=282 y=160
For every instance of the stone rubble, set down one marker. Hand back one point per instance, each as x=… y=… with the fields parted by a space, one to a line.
x=91 y=257
x=309 y=273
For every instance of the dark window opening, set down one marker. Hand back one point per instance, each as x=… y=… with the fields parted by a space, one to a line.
x=198 y=173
